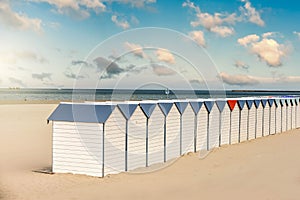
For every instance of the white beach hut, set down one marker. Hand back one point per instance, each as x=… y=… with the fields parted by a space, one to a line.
x=171 y=130
x=283 y=115
x=297 y=115
x=212 y=124
x=196 y=106
x=251 y=119
x=224 y=122
x=234 y=121
x=278 y=116
x=243 y=120
x=272 y=116
x=154 y=132
x=259 y=118
x=288 y=114
x=79 y=132
x=135 y=135
x=202 y=129
x=186 y=126
x=266 y=117
x=293 y=113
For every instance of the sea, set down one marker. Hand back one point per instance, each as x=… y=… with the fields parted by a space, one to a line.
x=127 y=94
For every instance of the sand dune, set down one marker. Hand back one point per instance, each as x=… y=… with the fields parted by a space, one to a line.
x=267 y=168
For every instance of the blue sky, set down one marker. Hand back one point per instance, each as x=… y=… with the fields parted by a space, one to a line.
x=200 y=44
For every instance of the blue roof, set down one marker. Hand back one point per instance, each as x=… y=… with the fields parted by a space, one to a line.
x=147 y=108
x=271 y=101
x=165 y=107
x=241 y=103
x=181 y=106
x=264 y=102
x=127 y=109
x=82 y=113
x=221 y=104
x=256 y=103
x=249 y=103
x=209 y=105
x=196 y=106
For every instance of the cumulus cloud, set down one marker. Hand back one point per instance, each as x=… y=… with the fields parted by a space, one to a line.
x=78 y=9
x=248 y=40
x=223 y=31
x=267 y=50
x=136 y=49
x=198 y=36
x=12 y=57
x=297 y=34
x=165 y=56
x=42 y=76
x=123 y=23
x=241 y=65
x=162 y=70
x=251 y=13
x=19 y=21
x=239 y=79
x=16 y=81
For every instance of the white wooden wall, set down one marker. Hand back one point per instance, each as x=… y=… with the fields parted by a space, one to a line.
x=284 y=118
x=188 y=130
x=288 y=117
x=298 y=116
x=272 y=119
x=266 y=120
x=251 y=128
x=173 y=134
x=225 y=126
x=137 y=140
x=235 y=125
x=77 y=148
x=202 y=129
x=243 y=123
x=156 y=137
x=214 y=119
x=293 y=110
x=259 y=116
x=114 y=143
x=278 y=119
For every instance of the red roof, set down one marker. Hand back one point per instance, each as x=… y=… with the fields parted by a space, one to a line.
x=231 y=104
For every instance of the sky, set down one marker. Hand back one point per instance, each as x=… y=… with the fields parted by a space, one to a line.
x=188 y=44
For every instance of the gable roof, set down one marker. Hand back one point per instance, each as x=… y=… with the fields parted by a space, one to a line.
x=165 y=107
x=209 y=105
x=231 y=104
x=181 y=106
x=196 y=106
x=221 y=104
x=249 y=103
x=127 y=109
x=147 y=108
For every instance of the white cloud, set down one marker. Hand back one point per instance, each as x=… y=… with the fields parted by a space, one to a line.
x=162 y=70
x=251 y=13
x=248 y=40
x=12 y=57
x=121 y=23
x=297 y=33
x=238 y=79
x=11 y=19
x=136 y=49
x=223 y=31
x=165 y=56
x=133 y=3
x=267 y=50
x=198 y=36
x=268 y=34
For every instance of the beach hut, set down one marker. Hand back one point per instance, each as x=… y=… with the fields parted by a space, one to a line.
x=154 y=132
x=186 y=126
x=251 y=119
x=202 y=129
x=212 y=124
x=258 y=118
x=135 y=144
x=293 y=114
x=283 y=115
x=265 y=117
x=81 y=132
x=297 y=115
x=224 y=122
x=196 y=106
x=234 y=121
x=243 y=120
x=272 y=116
x=288 y=114
x=278 y=108
x=171 y=130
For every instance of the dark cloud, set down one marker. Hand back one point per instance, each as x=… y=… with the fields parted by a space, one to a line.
x=16 y=81
x=108 y=68
x=70 y=74
x=81 y=63
x=241 y=65
x=42 y=76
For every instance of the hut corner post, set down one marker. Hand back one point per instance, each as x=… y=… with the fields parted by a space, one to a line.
x=255 y=134
x=126 y=146
x=165 y=138
x=270 y=120
x=240 y=116
x=147 y=141
x=180 y=136
x=230 y=116
x=207 y=146
x=248 y=124
x=220 y=129
x=103 y=148
x=263 y=122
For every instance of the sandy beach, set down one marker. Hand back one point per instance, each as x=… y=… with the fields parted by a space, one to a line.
x=266 y=168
